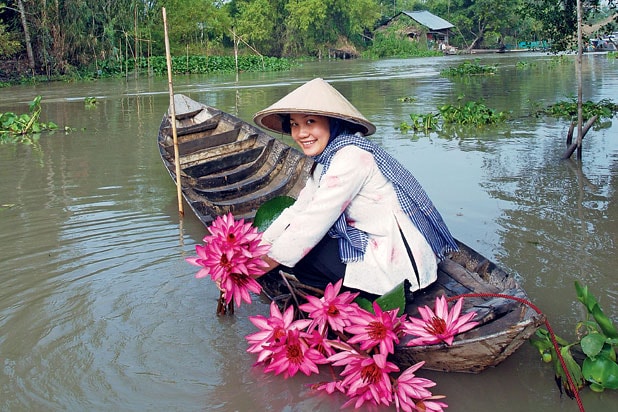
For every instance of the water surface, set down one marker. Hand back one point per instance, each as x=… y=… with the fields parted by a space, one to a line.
x=99 y=311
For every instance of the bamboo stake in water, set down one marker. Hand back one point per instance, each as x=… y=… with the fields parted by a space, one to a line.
x=173 y=115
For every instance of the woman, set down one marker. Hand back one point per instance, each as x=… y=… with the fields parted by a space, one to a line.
x=361 y=216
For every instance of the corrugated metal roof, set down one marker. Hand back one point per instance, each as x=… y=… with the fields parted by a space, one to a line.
x=429 y=20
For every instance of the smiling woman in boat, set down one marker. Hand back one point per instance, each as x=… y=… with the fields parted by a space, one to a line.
x=361 y=215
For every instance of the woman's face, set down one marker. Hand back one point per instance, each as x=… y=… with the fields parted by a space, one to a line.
x=310 y=132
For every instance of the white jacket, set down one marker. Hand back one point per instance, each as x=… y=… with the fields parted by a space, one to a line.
x=353 y=184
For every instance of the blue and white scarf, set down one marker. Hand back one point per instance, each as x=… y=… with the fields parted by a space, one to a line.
x=412 y=198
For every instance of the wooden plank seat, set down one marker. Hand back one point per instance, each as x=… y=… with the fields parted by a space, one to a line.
x=197 y=144
x=204 y=155
x=281 y=184
x=270 y=173
x=236 y=167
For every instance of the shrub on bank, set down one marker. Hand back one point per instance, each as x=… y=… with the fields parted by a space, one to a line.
x=194 y=65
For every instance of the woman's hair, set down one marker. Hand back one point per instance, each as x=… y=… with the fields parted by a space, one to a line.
x=337 y=126
x=285 y=123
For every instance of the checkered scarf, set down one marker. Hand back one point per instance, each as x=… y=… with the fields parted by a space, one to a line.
x=412 y=198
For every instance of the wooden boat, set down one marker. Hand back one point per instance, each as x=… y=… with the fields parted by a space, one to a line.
x=228 y=165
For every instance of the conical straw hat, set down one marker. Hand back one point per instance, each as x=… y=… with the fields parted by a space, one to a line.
x=314 y=97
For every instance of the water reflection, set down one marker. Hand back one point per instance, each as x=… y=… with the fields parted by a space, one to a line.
x=99 y=311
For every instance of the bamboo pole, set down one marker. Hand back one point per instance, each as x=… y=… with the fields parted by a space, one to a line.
x=173 y=115
x=580 y=135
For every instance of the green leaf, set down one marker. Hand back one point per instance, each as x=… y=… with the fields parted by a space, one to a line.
x=270 y=210
x=541 y=340
x=364 y=303
x=34 y=104
x=573 y=369
x=592 y=344
x=604 y=322
x=394 y=299
x=590 y=302
x=608 y=351
x=601 y=371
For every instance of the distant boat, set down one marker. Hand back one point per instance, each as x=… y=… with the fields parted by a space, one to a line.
x=228 y=165
x=605 y=43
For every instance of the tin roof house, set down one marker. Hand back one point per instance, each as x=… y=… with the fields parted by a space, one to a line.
x=421 y=26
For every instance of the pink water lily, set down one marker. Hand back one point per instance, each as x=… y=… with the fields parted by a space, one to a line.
x=333 y=309
x=232 y=257
x=293 y=354
x=231 y=233
x=366 y=378
x=380 y=328
x=430 y=404
x=356 y=344
x=237 y=287
x=440 y=325
x=329 y=387
x=409 y=388
x=272 y=331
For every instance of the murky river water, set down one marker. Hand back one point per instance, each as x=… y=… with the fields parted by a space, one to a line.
x=99 y=311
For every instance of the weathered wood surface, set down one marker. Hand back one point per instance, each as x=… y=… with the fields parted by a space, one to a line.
x=228 y=165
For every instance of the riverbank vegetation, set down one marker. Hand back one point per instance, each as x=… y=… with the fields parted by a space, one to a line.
x=84 y=39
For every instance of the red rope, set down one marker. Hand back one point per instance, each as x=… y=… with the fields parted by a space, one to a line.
x=549 y=329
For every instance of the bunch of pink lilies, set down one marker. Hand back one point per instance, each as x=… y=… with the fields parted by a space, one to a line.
x=337 y=331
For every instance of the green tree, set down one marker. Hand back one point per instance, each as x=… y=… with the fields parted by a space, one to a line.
x=259 y=23
x=194 y=24
x=476 y=20
x=297 y=27
x=316 y=24
x=9 y=45
x=559 y=17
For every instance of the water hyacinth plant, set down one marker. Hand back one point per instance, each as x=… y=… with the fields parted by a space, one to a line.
x=591 y=359
x=15 y=128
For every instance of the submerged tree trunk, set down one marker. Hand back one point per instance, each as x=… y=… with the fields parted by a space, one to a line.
x=24 y=23
x=571 y=147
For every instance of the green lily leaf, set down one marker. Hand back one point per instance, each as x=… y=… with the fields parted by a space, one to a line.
x=393 y=299
x=608 y=351
x=592 y=344
x=601 y=371
x=595 y=387
x=364 y=303
x=270 y=210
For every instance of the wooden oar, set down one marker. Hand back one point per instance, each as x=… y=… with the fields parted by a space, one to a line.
x=173 y=116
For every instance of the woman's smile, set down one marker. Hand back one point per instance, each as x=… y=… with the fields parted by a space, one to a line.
x=310 y=132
